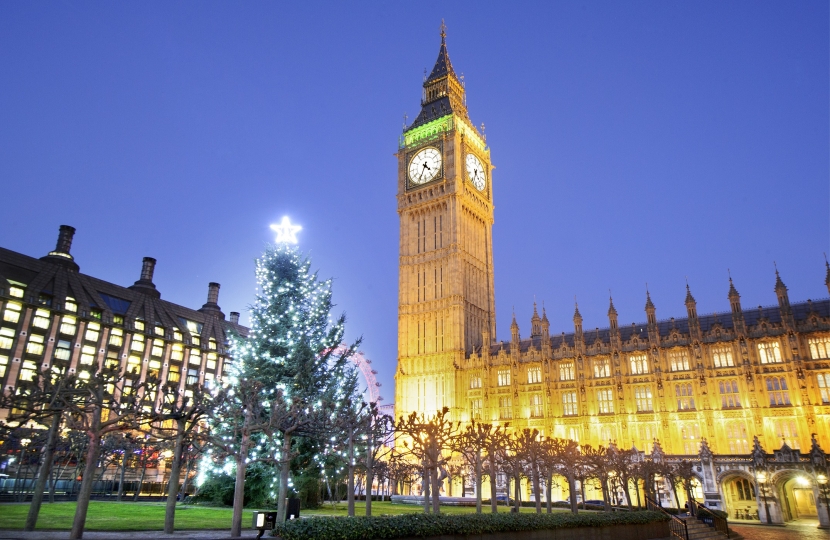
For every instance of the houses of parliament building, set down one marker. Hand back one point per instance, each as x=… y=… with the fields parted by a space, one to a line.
x=732 y=391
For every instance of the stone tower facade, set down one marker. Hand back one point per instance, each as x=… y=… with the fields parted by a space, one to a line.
x=446 y=304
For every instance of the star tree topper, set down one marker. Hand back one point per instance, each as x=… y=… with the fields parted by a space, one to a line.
x=286 y=232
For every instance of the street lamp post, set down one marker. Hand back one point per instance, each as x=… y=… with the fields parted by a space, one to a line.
x=822 y=482
x=762 y=478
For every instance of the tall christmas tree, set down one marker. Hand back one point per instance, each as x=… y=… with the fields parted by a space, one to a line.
x=287 y=377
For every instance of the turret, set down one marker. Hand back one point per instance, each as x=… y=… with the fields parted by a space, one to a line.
x=612 y=315
x=783 y=301
x=651 y=312
x=691 y=312
x=545 y=324
x=735 y=305
x=145 y=281
x=827 y=275
x=514 y=330
x=535 y=323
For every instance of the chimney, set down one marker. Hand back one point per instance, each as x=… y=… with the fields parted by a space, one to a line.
x=148 y=266
x=145 y=282
x=212 y=305
x=213 y=293
x=235 y=317
x=65 y=239
x=61 y=253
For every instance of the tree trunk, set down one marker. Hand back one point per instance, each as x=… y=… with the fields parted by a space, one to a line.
x=549 y=492
x=350 y=475
x=637 y=491
x=517 y=489
x=572 y=491
x=582 y=491
x=370 y=477
x=239 y=485
x=85 y=492
x=493 y=494
x=43 y=473
x=285 y=466
x=173 y=484
x=425 y=484
x=143 y=474
x=537 y=491
x=478 y=481
x=121 y=477
x=186 y=479
x=606 y=494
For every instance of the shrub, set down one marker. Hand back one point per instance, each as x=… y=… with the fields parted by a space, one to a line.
x=423 y=525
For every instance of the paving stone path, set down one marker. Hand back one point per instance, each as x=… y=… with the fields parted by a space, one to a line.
x=795 y=530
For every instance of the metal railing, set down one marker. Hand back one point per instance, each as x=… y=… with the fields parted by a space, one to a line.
x=677 y=526
x=710 y=518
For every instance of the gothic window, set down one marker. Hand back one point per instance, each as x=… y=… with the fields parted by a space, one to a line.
x=737 y=436
x=605 y=401
x=475 y=409
x=824 y=386
x=722 y=356
x=566 y=371
x=770 y=352
x=504 y=377
x=642 y=395
x=785 y=430
x=645 y=433
x=534 y=375
x=639 y=364
x=777 y=391
x=505 y=408
x=607 y=434
x=569 y=405
x=536 y=405
x=729 y=397
x=475 y=381
x=602 y=368
x=743 y=490
x=819 y=347
x=679 y=360
x=685 y=396
x=690 y=434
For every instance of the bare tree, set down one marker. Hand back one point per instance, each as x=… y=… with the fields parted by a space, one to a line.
x=480 y=440
x=596 y=461
x=379 y=433
x=528 y=448
x=565 y=459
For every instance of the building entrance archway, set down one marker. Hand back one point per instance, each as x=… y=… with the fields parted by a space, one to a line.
x=739 y=495
x=799 y=496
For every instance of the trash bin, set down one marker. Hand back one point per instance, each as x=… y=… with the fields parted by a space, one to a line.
x=292 y=509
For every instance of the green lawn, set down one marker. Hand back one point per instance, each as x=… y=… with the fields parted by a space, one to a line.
x=113 y=516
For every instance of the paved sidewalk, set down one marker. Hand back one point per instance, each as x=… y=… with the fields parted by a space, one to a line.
x=222 y=534
x=794 y=530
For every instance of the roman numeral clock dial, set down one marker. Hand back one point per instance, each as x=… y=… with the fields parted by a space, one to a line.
x=425 y=166
x=475 y=172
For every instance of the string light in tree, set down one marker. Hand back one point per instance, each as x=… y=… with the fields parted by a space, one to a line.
x=286 y=232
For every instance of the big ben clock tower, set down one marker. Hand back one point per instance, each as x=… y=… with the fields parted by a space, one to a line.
x=446 y=304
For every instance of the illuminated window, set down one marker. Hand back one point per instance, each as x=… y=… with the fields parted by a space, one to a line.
x=690 y=433
x=605 y=401
x=68 y=325
x=192 y=376
x=35 y=345
x=786 y=429
x=174 y=374
x=475 y=381
x=41 y=319
x=729 y=396
x=211 y=361
x=12 y=313
x=87 y=355
x=15 y=292
x=112 y=361
x=569 y=405
x=134 y=364
x=137 y=343
x=28 y=371
x=4 y=363
x=743 y=490
x=93 y=330
x=158 y=330
x=118 y=319
x=777 y=391
x=685 y=396
x=770 y=352
x=192 y=327
x=505 y=408
x=139 y=325
x=153 y=368
x=642 y=395
x=177 y=352
x=476 y=408
x=157 y=350
x=566 y=371
x=535 y=405
x=504 y=377
x=679 y=360
x=212 y=342
x=639 y=364
x=737 y=436
x=819 y=347
x=195 y=357
x=722 y=356
x=6 y=338
x=534 y=375
x=824 y=386
x=62 y=350
x=195 y=340
x=71 y=305
x=117 y=337
x=602 y=368
x=645 y=433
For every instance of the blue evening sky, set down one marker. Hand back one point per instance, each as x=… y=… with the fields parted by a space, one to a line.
x=634 y=142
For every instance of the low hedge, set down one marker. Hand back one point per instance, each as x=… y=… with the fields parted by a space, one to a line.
x=423 y=525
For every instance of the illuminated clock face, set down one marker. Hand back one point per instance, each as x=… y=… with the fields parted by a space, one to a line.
x=425 y=166
x=475 y=172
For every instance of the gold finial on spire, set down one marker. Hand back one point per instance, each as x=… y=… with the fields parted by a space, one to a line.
x=443 y=31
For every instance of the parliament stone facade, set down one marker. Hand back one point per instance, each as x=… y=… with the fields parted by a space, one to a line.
x=717 y=389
